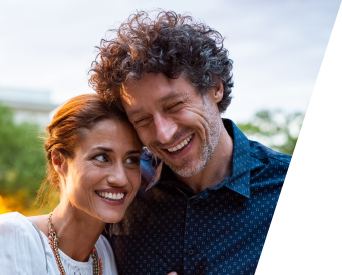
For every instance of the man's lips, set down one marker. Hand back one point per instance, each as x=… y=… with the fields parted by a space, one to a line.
x=179 y=153
x=179 y=146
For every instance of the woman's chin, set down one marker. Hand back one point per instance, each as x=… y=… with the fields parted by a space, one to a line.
x=113 y=218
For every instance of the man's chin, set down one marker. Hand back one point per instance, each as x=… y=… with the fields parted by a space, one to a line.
x=186 y=171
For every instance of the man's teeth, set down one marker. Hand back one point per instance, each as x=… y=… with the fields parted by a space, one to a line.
x=180 y=145
x=111 y=196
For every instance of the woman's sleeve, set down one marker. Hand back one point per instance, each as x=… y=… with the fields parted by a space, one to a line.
x=21 y=251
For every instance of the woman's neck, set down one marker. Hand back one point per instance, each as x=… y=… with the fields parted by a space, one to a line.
x=77 y=231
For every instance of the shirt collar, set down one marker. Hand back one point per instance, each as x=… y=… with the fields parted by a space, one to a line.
x=239 y=180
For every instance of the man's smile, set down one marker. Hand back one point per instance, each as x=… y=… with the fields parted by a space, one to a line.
x=180 y=145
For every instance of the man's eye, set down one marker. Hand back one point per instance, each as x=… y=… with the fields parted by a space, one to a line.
x=102 y=158
x=142 y=121
x=174 y=107
x=139 y=120
x=133 y=160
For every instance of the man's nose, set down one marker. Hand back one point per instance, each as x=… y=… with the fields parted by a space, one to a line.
x=165 y=128
x=117 y=176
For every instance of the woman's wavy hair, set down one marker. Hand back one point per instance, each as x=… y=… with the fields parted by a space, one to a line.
x=171 y=44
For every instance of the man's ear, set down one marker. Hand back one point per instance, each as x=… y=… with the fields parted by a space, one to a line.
x=217 y=91
x=59 y=162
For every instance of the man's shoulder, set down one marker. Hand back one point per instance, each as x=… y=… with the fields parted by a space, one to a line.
x=267 y=165
x=262 y=153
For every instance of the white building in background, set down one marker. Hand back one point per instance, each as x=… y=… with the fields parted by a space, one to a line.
x=28 y=105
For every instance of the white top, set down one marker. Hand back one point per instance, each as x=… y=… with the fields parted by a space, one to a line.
x=22 y=251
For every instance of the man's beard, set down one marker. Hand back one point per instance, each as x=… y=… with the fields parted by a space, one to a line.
x=207 y=144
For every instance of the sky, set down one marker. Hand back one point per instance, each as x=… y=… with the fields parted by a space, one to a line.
x=277 y=46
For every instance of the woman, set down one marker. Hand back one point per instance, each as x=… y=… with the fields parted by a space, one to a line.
x=93 y=158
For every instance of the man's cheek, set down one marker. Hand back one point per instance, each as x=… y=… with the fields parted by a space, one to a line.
x=146 y=137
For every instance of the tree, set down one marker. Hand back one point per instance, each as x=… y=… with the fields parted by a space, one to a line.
x=275 y=129
x=22 y=159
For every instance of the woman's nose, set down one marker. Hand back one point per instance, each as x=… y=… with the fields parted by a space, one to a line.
x=117 y=176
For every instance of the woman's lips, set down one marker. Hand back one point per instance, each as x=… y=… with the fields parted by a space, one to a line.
x=112 y=196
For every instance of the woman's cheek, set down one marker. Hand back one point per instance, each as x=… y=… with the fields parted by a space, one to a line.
x=135 y=178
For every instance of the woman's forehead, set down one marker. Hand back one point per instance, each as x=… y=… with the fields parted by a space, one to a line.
x=110 y=132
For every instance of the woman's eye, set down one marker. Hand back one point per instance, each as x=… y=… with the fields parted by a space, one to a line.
x=101 y=158
x=133 y=160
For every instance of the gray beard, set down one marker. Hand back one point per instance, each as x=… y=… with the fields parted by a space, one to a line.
x=207 y=147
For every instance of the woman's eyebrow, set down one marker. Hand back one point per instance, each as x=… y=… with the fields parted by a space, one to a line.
x=110 y=150
x=133 y=152
x=103 y=149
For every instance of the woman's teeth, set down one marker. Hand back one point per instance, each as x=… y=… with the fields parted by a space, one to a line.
x=111 y=196
x=180 y=145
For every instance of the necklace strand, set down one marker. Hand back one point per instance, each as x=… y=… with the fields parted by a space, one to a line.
x=53 y=241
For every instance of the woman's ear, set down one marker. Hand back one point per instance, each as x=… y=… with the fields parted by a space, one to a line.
x=59 y=162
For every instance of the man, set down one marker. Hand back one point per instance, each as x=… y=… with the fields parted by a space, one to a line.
x=208 y=197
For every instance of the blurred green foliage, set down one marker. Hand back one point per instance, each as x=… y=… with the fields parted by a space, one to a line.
x=22 y=159
x=274 y=129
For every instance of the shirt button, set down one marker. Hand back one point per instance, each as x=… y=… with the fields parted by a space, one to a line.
x=191 y=252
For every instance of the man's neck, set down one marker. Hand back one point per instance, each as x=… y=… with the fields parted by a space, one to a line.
x=218 y=168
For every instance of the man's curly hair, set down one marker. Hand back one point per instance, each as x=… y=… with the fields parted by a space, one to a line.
x=171 y=44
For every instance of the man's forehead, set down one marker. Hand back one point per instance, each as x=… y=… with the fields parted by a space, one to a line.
x=156 y=88
x=155 y=81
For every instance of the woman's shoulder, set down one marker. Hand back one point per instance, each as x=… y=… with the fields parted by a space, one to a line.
x=12 y=215
x=17 y=227
x=20 y=247
x=14 y=219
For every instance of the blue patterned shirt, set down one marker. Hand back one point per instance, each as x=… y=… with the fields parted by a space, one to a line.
x=221 y=230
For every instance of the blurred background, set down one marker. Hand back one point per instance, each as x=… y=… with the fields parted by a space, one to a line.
x=46 y=49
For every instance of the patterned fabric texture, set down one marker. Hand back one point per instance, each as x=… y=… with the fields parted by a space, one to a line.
x=221 y=230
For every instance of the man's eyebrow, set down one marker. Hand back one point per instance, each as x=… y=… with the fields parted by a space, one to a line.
x=170 y=95
x=135 y=111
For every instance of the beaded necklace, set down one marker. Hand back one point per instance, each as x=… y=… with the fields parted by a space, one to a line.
x=53 y=241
